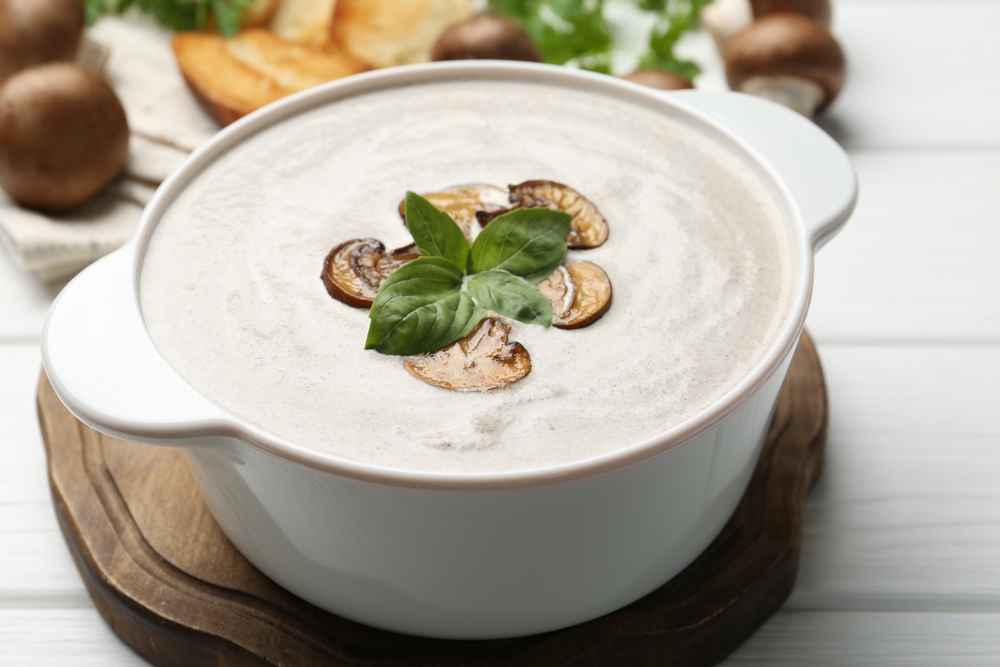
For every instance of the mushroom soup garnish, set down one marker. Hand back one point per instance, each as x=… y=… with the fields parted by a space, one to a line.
x=463 y=202
x=481 y=361
x=354 y=270
x=432 y=300
x=588 y=228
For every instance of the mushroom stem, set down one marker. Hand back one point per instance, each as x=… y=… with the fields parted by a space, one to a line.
x=796 y=93
x=724 y=19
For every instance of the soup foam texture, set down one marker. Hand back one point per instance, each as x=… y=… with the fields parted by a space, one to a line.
x=698 y=254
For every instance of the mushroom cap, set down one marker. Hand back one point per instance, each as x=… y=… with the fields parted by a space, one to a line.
x=817 y=10
x=787 y=45
x=486 y=37
x=63 y=136
x=659 y=78
x=36 y=32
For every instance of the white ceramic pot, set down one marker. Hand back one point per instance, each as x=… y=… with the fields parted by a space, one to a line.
x=456 y=555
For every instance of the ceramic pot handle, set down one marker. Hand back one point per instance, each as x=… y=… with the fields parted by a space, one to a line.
x=105 y=369
x=813 y=166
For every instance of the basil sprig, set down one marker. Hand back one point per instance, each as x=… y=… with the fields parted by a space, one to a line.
x=422 y=306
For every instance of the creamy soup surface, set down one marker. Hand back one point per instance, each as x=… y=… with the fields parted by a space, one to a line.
x=698 y=255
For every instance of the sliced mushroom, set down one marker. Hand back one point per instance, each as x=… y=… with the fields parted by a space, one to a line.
x=580 y=294
x=486 y=37
x=789 y=59
x=724 y=19
x=588 y=228
x=559 y=289
x=482 y=360
x=463 y=202
x=354 y=270
x=660 y=79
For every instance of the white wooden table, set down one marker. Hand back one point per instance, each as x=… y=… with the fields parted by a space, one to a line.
x=901 y=558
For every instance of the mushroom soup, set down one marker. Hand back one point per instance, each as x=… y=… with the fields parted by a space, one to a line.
x=698 y=253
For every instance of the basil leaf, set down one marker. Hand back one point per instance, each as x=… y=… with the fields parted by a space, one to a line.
x=423 y=277
x=509 y=295
x=421 y=308
x=434 y=232
x=528 y=242
x=411 y=326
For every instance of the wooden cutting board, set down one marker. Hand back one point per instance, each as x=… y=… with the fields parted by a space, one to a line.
x=170 y=584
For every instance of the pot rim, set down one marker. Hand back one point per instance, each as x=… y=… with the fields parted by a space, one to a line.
x=234 y=426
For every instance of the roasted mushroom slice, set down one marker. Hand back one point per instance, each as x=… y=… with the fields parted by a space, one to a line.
x=462 y=202
x=559 y=289
x=580 y=293
x=354 y=270
x=482 y=360
x=588 y=228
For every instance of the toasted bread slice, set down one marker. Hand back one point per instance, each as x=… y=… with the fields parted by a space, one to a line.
x=224 y=86
x=306 y=21
x=258 y=13
x=291 y=66
x=384 y=33
x=233 y=77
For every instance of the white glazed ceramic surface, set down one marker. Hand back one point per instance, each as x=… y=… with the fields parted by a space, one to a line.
x=446 y=554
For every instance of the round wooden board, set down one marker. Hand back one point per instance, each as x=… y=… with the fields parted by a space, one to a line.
x=170 y=584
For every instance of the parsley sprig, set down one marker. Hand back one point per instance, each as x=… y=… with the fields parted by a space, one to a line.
x=675 y=19
x=576 y=30
x=225 y=15
x=440 y=297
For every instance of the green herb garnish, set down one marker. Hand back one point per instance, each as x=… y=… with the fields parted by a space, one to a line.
x=676 y=18
x=422 y=306
x=575 y=30
x=224 y=15
x=564 y=30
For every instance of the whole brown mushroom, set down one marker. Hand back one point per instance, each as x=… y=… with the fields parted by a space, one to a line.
x=724 y=19
x=63 y=136
x=788 y=59
x=486 y=37
x=38 y=31
x=660 y=79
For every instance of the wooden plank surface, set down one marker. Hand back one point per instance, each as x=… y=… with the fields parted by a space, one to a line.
x=23 y=303
x=866 y=639
x=907 y=513
x=921 y=74
x=918 y=260
x=35 y=567
x=79 y=638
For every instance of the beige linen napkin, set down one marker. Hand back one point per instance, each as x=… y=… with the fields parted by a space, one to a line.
x=166 y=125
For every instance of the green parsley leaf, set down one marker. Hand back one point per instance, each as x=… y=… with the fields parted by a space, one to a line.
x=528 y=242
x=434 y=232
x=576 y=30
x=178 y=14
x=509 y=295
x=676 y=18
x=420 y=308
x=564 y=30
